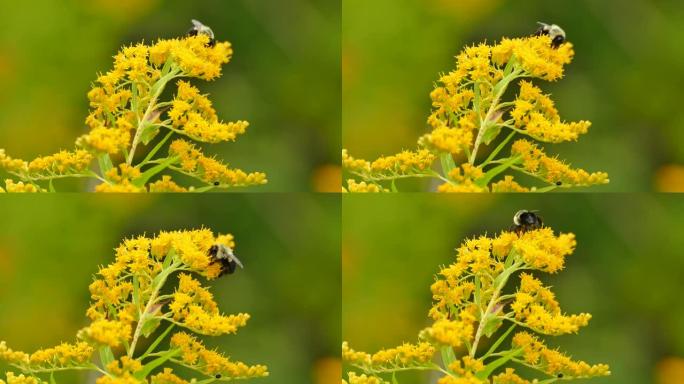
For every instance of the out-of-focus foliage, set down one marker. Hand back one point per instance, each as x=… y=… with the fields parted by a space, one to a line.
x=626 y=271
x=284 y=78
x=624 y=78
x=50 y=247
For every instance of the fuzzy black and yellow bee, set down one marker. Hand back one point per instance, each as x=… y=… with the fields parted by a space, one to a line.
x=221 y=253
x=199 y=28
x=525 y=221
x=556 y=33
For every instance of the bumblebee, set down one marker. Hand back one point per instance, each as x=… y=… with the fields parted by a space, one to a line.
x=525 y=221
x=220 y=253
x=556 y=33
x=199 y=28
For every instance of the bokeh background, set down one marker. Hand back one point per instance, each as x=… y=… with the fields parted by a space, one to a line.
x=290 y=246
x=284 y=77
x=625 y=77
x=627 y=271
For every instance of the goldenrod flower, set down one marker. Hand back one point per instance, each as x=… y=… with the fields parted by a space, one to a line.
x=212 y=171
x=212 y=363
x=556 y=364
x=107 y=332
x=469 y=113
x=363 y=379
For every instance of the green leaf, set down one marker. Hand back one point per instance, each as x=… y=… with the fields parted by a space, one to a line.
x=148 y=174
x=477 y=290
x=105 y=163
x=492 y=325
x=136 y=292
x=447 y=163
x=491 y=133
x=492 y=173
x=158 y=340
x=548 y=188
x=394 y=186
x=157 y=147
x=499 y=148
x=152 y=365
x=51 y=187
x=150 y=326
x=106 y=355
x=448 y=356
x=394 y=378
x=500 y=340
x=148 y=132
x=491 y=367
x=52 y=378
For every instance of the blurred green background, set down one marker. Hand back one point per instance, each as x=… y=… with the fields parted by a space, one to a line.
x=626 y=77
x=289 y=244
x=627 y=271
x=284 y=77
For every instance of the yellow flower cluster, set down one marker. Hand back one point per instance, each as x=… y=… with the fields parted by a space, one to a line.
x=11 y=356
x=537 y=57
x=167 y=377
x=21 y=379
x=536 y=307
x=195 y=354
x=463 y=181
x=20 y=187
x=535 y=115
x=106 y=332
x=363 y=379
x=537 y=163
x=123 y=371
x=354 y=165
x=62 y=355
x=61 y=163
x=192 y=115
x=165 y=184
x=210 y=170
x=466 y=369
x=555 y=363
x=191 y=248
x=405 y=355
x=451 y=332
x=363 y=187
x=194 y=55
x=509 y=377
x=120 y=181
x=450 y=140
x=193 y=307
x=508 y=185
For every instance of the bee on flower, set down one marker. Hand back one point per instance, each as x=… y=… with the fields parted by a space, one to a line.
x=128 y=304
x=474 y=300
x=477 y=138
x=131 y=125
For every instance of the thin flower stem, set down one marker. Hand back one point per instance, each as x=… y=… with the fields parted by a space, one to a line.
x=485 y=316
x=142 y=316
x=484 y=123
x=161 y=84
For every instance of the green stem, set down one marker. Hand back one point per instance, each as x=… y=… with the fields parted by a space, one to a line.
x=484 y=123
x=142 y=316
x=485 y=316
x=160 y=85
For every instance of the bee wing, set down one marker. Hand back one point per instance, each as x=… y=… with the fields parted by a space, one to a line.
x=237 y=261
x=197 y=24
